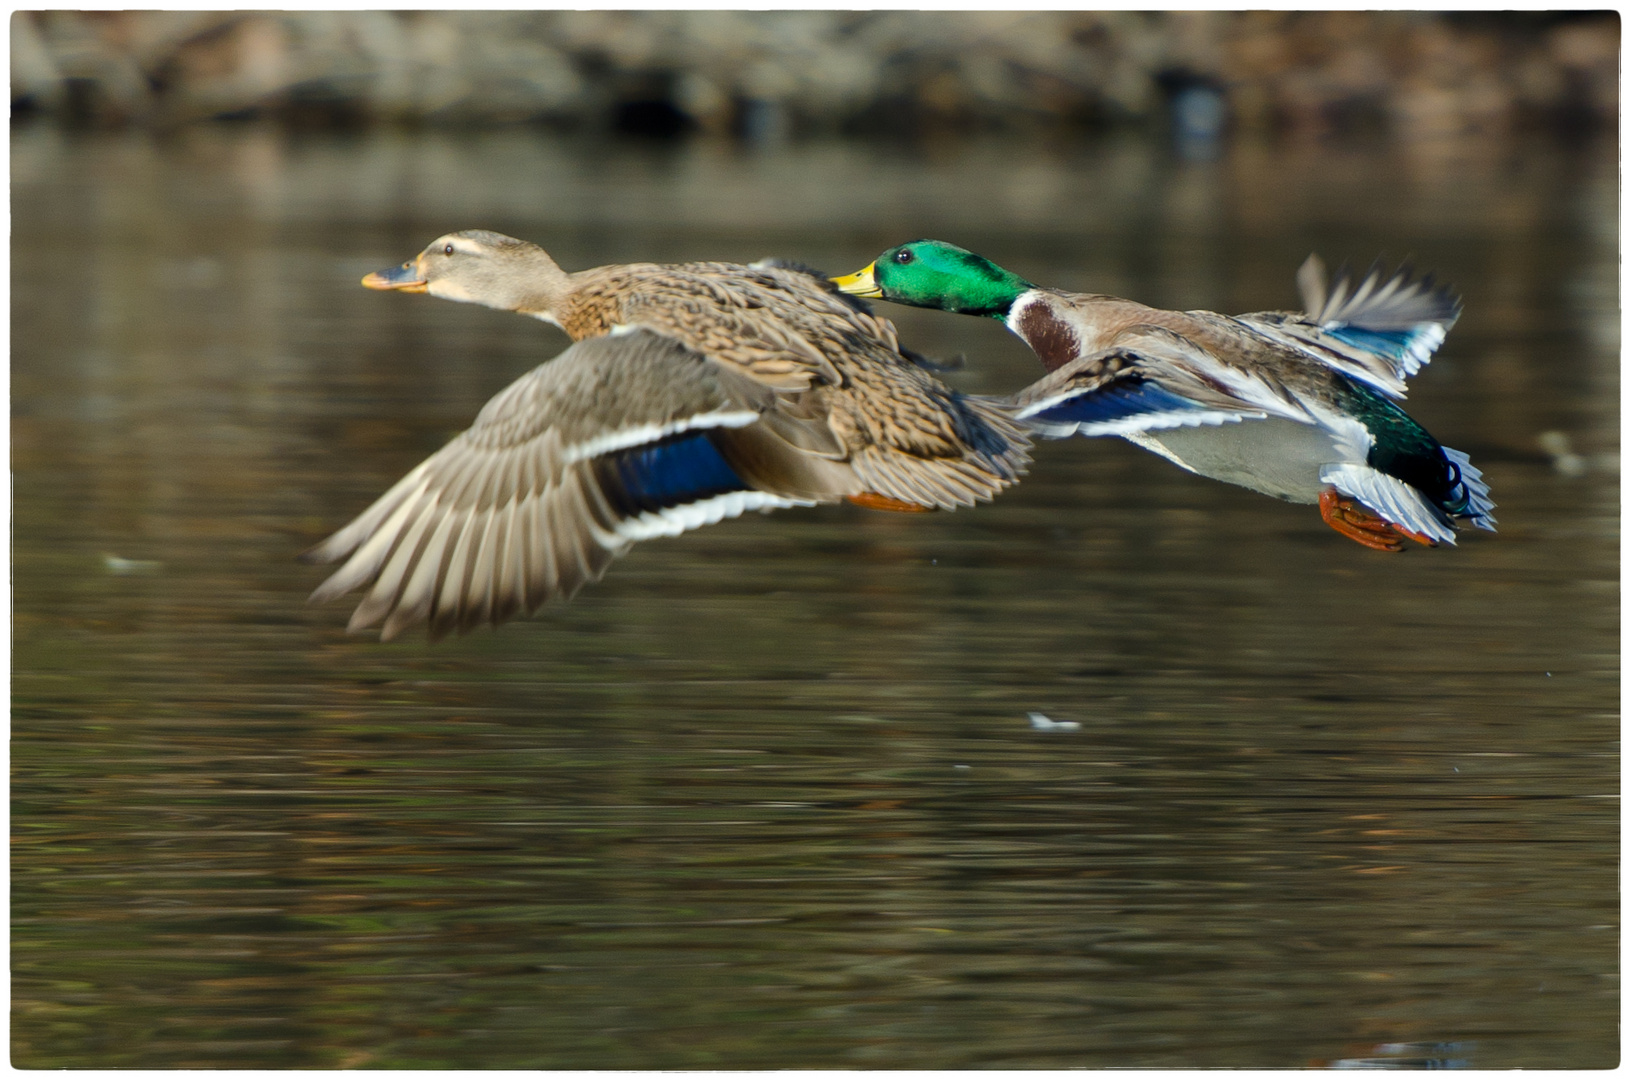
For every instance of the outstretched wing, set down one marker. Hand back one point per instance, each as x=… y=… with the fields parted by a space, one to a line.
x=1381 y=329
x=616 y=440
x=1150 y=380
x=1399 y=301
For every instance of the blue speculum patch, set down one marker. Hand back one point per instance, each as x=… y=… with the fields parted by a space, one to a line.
x=1389 y=343
x=682 y=469
x=1118 y=401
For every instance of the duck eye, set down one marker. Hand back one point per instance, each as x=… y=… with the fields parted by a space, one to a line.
x=448 y=250
x=903 y=257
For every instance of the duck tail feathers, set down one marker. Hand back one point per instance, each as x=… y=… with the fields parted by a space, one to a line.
x=1473 y=501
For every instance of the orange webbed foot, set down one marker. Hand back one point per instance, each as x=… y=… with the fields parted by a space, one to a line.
x=1424 y=541
x=1361 y=526
x=873 y=501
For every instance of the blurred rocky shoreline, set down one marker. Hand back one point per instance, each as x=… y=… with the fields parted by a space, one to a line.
x=760 y=76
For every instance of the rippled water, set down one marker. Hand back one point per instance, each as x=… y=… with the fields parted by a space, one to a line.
x=767 y=795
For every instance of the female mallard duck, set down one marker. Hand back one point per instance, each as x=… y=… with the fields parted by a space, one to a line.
x=693 y=393
x=1295 y=405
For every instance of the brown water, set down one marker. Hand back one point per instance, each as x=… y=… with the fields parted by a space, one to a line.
x=767 y=795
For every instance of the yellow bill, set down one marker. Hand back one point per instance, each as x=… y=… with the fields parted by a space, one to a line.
x=860 y=283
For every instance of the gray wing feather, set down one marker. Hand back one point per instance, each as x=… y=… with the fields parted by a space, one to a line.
x=1399 y=301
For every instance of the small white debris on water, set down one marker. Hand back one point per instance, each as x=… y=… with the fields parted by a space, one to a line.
x=1042 y=723
x=113 y=564
x=1564 y=459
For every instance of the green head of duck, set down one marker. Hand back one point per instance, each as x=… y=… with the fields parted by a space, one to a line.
x=935 y=274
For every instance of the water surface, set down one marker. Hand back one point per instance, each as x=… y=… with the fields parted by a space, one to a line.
x=767 y=795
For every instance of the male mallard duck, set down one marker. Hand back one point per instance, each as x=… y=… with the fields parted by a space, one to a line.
x=1317 y=387
x=693 y=393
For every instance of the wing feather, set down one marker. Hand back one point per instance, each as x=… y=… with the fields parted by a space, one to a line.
x=1381 y=331
x=1152 y=379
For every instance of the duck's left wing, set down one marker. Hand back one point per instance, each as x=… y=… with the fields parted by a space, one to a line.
x=1150 y=380
x=618 y=439
x=1380 y=329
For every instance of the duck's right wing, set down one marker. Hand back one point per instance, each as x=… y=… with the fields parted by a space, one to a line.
x=1380 y=329
x=618 y=439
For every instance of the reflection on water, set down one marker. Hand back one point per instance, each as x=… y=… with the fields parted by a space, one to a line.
x=769 y=795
